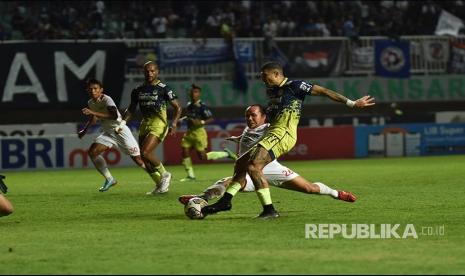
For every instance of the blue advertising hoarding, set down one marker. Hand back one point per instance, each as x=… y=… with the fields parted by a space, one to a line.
x=410 y=140
x=174 y=53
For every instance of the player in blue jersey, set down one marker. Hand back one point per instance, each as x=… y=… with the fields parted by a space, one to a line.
x=275 y=173
x=197 y=116
x=284 y=108
x=152 y=97
x=6 y=208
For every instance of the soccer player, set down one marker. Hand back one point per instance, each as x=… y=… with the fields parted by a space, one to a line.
x=6 y=208
x=276 y=174
x=284 y=108
x=197 y=116
x=152 y=97
x=101 y=107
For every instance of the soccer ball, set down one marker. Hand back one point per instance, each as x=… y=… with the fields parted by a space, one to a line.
x=193 y=208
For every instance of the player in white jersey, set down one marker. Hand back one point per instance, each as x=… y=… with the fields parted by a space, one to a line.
x=102 y=107
x=276 y=174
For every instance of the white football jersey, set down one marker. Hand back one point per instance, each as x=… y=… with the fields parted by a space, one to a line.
x=102 y=105
x=250 y=137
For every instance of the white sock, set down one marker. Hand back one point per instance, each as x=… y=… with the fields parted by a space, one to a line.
x=101 y=166
x=325 y=190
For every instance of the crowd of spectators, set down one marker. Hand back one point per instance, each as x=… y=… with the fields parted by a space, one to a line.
x=40 y=20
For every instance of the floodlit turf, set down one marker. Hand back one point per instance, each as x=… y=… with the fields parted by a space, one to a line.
x=63 y=225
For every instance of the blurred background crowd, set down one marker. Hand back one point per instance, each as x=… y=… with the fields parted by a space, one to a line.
x=40 y=20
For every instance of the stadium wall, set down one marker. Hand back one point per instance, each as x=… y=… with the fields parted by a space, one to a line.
x=31 y=147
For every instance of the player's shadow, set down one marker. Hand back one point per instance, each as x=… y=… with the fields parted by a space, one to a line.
x=139 y=217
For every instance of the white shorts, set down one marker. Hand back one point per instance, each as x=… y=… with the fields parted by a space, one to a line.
x=125 y=141
x=275 y=173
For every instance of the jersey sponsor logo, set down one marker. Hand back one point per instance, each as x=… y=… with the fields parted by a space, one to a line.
x=305 y=86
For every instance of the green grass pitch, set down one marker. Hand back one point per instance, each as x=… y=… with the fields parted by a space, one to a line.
x=63 y=225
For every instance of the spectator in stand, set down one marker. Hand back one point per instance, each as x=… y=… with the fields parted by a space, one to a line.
x=349 y=27
x=159 y=24
x=94 y=19
x=271 y=27
x=213 y=24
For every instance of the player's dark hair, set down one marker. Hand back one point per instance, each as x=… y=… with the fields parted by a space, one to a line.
x=260 y=108
x=270 y=65
x=89 y=82
x=194 y=86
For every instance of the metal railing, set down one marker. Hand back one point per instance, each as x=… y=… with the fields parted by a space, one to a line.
x=221 y=71
x=419 y=64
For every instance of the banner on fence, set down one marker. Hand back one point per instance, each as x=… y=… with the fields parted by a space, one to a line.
x=457 y=58
x=436 y=51
x=172 y=53
x=417 y=88
x=313 y=58
x=392 y=58
x=363 y=58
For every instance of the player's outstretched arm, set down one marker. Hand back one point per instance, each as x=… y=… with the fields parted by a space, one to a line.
x=90 y=122
x=364 y=101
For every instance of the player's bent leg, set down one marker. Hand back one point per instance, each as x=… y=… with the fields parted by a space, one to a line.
x=95 y=152
x=300 y=184
x=346 y=196
x=6 y=208
x=214 y=191
x=336 y=194
x=139 y=162
x=259 y=159
x=232 y=155
x=155 y=175
x=187 y=163
x=164 y=183
x=214 y=155
x=202 y=155
x=150 y=142
x=148 y=146
x=224 y=203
